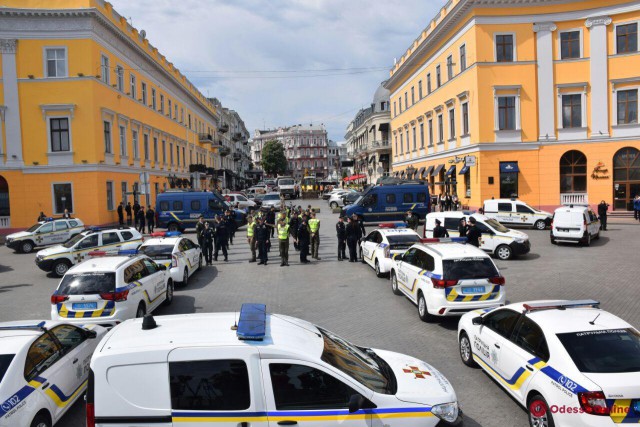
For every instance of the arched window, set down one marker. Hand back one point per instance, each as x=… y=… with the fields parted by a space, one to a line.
x=573 y=172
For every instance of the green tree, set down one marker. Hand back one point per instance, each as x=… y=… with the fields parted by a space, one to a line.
x=274 y=162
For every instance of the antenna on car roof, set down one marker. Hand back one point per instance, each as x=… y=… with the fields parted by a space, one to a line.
x=593 y=322
x=235 y=322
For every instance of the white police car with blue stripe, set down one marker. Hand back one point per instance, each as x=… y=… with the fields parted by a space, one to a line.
x=179 y=254
x=380 y=245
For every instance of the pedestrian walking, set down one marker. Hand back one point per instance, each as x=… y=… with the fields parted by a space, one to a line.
x=141 y=220
x=304 y=239
x=602 y=213
x=636 y=207
x=127 y=209
x=353 y=234
x=121 y=214
x=314 y=226
x=262 y=234
x=341 y=233
x=200 y=229
x=474 y=234
x=151 y=219
x=412 y=221
x=439 y=231
x=221 y=238
x=251 y=239
x=294 y=223
x=283 y=241
x=208 y=235
x=463 y=228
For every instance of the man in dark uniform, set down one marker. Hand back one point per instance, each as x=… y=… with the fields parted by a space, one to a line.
x=463 y=228
x=353 y=236
x=358 y=222
x=141 y=220
x=412 y=221
x=222 y=238
x=200 y=230
x=304 y=239
x=602 y=213
x=208 y=234
x=474 y=234
x=294 y=223
x=127 y=209
x=41 y=217
x=271 y=220
x=120 y=214
x=151 y=219
x=136 y=209
x=439 y=231
x=341 y=232
x=230 y=219
x=262 y=233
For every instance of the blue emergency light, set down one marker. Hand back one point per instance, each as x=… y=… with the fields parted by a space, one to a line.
x=253 y=322
x=128 y=252
x=172 y=234
x=399 y=224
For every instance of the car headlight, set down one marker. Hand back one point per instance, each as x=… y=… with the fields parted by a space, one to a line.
x=519 y=240
x=446 y=411
x=9 y=240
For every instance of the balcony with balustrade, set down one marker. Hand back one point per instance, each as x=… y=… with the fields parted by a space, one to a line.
x=574 y=199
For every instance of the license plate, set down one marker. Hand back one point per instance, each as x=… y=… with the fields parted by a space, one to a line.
x=473 y=290
x=84 y=306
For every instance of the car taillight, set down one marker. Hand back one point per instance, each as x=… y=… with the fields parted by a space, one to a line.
x=55 y=299
x=174 y=261
x=115 y=296
x=441 y=284
x=497 y=280
x=593 y=402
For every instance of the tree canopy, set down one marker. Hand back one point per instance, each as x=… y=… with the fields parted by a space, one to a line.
x=274 y=162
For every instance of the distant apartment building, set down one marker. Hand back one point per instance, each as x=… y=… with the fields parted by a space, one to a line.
x=306 y=148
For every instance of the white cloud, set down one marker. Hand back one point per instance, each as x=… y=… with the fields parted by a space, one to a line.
x=259 y=35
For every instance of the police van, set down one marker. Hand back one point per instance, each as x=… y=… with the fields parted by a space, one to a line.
x=516 y=212
x=575 y=224
x=391 y=202
x=257 y=369
x=44 y=233
x=178 y=210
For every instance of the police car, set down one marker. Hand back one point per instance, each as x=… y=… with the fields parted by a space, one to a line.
x=44 y=233
x=380 y=245
x=180 y=255
x=257 y=369
x=43 y=370
x=568 y=362
x=58 y=259
x=110 y=289
x=445 y=277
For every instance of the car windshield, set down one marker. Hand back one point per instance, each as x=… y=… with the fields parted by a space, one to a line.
x=606 y=351
x=468 y=268
x=5 y=361
x=272 y=197
x=87 y=284
x=497 y=226
x=75 y=239
x=260 y=196
x=403 y=239
x=285 y=182
x=33 y=228
x=358 y=200
x=362 y=365
x=157 y=251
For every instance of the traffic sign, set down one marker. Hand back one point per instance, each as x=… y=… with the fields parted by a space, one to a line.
x=470 y=160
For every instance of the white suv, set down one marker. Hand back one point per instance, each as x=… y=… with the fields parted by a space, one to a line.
x=180 y=255
x=58 y=259
x=447 y=279
x=44 y=233
x=110 y=289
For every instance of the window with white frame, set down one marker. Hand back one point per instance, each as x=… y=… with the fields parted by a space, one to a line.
x=572 y=111
x=507 y=113
x=428 y=83
x=406 y=134
x=449 y=67
x=133 y=89
x=123 y=141
x=401 y=143
x=154 y=105
x=505 y=47
x=465 y=118
x=627 y=38
x=430 y=132
x=164 y=152
x=440 y=129
x=107 y=137
x=421 y=135
x=55 y=62
x=419 y=90
x=145 y=146
x=175 y=115
x=570 y=44
x=438 y=77
x=452 y=123
x=162 y=103
x=170 y=109
x=415 y=139
x=627 y=101
x=155 y=149
x=62 y=197
x=59 y=134
x=110 y=199
x=105 y=69
x=134 y=142
x=120 y=78
x=144 y=93
x=171 y=153
x=463 y=58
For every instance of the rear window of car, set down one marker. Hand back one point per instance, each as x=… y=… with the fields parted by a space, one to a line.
x=468 y=268
x=403 y=239
x=87 y=284
x=272 y=197
x=605 y=351
x=5 y=361
x=157 y=251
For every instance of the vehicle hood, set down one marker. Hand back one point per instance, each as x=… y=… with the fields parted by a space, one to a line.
x=516 y=234
x=418 y=382
x=545 y=213
x=624 y=385
x=19 y=235
x=53 y=250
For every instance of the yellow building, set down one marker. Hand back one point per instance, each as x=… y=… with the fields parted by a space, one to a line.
x=86 y=106
x=537 y=99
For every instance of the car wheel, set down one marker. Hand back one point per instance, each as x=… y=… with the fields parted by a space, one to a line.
x=333 y=205
x=423 y=312
x=141 y=311
x=185 y=278
x=587 y=240
x=60 y=268
x=466 y=353
x=26 y=247
x=377 y=268
x=173 y=227
x=394 y=284
x=41 y=420
x=540 y=225
x=169 y=299
x=504 y=252
x=539 y=413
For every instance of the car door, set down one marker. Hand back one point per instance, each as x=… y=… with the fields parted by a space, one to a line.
x=497 y=327
x=192 y=254
x=488 y=241
x=408 y=272
x=505 y=210
x=83 y=247
x=44 y=235
x=593 y=223
x=368 y=246
x=154 y=283
x=522 y=356
x=110 y=241
x=304 y=394
x=526 y=215
x=61 y=232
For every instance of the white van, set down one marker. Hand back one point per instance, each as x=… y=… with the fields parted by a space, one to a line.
x=575 y=224
x=516 y=212
x=496 y=239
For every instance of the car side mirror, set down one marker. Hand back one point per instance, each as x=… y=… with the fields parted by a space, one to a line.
x=358 y=402
x=162 y=267
x=89 y=334
x=477 y=320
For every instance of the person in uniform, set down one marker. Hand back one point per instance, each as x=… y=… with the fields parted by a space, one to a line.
x=229 y=218
x=200 y=230
x=120 y=214
x=341 y=233
x=262 y=233
x=271 y=220
x=359 y=222
x=41 y=217
x=208 y=235
x=127 y=209
x=151 y=219
x=294 y=223
x=353 y=234
x=141 y=220
x=136 y=209
x=463 y=228
x=304 y=238
x=602 y=213
x=474 y=234
x=439 y=231
x=314 y=226
x=222 y=238
x=283 y=241
x=412 y=221
x=251 y=239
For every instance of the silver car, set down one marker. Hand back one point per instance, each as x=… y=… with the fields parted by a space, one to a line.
x=271 y=200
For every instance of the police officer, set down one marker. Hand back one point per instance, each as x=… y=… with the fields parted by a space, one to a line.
x=314 y=226
x=41 y=217
x=251 y=239
x=341 y=232
x=200 y=229
x=359 y=222
x=262 y=234
x=120 y=214
x=222 y=238
x=271 y=220
x=208 y=235
x=412 y=221
x=353 y=236
x=474 y=234
x=229 y=218
x=127 y=209
x=136 y=209
x=283 y=241
x=304 y=238
x=151 y=219
x=439 y=231
x=294 y=223
x=141 y=220
x=602 y=213
x=463 y=228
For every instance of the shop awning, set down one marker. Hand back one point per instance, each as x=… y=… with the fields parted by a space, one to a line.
x=464 y=170
x=421 y=173
x=452 y=170
x=437 y=170
x=509 y=167
x=427 y=173
x=354 y=177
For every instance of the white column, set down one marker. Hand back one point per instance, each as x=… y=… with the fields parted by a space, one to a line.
x=546 y=117
x=12 y=102
x=599 y=76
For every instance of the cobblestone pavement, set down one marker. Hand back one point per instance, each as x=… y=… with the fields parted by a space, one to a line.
x=349 y=300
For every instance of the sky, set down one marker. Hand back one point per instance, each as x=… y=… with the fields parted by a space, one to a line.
x=284 y=62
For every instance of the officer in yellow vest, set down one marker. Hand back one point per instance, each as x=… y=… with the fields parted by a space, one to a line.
x=283 y=240
x=250 y=237
x=314 y=226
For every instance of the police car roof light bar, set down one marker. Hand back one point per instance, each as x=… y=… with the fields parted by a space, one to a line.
x=172 y=234
x=158 y=234
x=253 y=322
x=560 y=305
x=39 y=327
x=128 y=252
x=444 y=240
x=399 y=224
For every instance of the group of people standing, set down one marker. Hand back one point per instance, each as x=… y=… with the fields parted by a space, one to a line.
x=349 y=235
x=469 y=230
x=447 y=202
x=216 y=236
x=145 y=221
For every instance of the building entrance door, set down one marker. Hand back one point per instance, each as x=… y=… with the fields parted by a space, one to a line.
x=626 y=178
